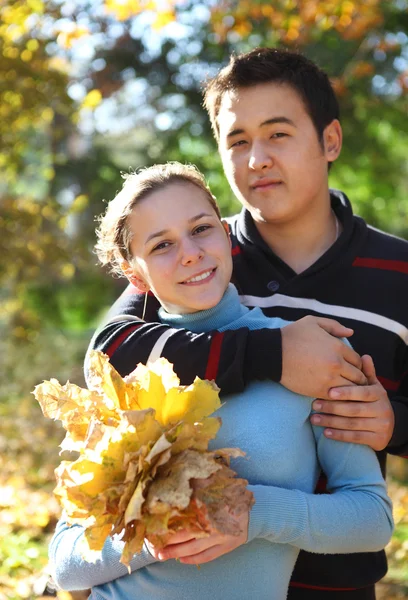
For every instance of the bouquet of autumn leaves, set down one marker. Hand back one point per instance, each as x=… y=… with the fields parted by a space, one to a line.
x=144 y=469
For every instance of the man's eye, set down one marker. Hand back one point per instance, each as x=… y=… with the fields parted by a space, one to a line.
x=238 y=143
x=279 y=134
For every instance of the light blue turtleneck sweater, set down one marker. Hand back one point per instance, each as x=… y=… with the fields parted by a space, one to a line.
x=284 y=453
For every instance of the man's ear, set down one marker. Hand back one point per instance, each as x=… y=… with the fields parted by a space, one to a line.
x=227 y=230
x=134 y=277
x=332 y=139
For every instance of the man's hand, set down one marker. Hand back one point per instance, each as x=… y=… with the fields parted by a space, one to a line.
x=361 y=414
x=197 y=551
x=314 y=359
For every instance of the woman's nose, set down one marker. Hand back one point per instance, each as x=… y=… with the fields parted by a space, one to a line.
x=190 y=252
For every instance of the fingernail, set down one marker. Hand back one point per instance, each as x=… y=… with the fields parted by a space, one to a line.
x=328 y=432
x=317 y=405
x=316 y=419
x=334 y=394
x=160 y=556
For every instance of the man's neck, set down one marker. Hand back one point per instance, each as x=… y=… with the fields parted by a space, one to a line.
x=301 y=244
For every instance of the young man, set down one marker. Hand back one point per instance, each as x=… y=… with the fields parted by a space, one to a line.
x=297 y=250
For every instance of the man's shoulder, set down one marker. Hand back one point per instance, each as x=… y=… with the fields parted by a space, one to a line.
x=232 y=220
x=233 y=223
x=385 y=245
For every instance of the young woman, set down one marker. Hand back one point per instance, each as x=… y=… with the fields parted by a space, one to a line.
x=164 y=232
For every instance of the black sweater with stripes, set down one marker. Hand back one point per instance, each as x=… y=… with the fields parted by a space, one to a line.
x=362 y=281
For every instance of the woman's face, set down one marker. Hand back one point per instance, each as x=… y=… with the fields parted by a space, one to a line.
x=180 y=247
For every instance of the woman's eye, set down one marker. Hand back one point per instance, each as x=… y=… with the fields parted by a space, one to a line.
x=279 y=134
x=161 y=246
x=201 y=229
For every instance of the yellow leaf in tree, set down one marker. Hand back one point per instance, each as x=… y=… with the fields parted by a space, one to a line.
x=92 y=99
x=123 y=9
x=163 y=18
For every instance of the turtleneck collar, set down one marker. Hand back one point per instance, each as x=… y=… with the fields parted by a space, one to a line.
x=227 y=310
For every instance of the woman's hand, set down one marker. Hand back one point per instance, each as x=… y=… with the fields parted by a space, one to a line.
x=197 y=551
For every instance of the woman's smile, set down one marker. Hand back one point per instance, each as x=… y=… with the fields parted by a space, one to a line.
x=202 y=277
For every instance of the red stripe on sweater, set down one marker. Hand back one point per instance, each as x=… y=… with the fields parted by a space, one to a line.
x=318 y=587
x=214 y=357
x=113 y=347
x=388 y=384
x=380 y=263
x=235 y=251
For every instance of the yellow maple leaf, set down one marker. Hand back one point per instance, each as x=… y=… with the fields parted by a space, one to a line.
x=141 y=437
x=190 y=404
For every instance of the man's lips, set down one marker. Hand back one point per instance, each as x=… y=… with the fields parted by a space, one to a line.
x=265 y=183
x=201 y=277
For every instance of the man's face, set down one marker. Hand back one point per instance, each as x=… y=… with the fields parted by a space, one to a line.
x=271 y=154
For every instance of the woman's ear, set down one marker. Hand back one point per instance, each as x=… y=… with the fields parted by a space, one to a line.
x=134 y=277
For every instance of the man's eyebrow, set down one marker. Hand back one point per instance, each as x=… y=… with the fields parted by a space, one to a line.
x=271 y=121
x=164 y=231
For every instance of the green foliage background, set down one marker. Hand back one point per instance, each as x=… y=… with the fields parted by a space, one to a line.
x=92 y=88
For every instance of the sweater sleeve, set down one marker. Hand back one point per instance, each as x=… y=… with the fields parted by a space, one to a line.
x=231 y=358
x=356 y=516
x=71 y=572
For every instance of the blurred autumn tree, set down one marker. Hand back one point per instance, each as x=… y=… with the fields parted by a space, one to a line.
x=92 y=87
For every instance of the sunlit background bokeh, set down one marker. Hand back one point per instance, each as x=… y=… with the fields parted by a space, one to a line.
x=89 y=89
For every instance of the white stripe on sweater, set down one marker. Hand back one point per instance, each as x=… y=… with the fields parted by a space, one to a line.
x=160 y=342
x=159 y=345
x=328 y=309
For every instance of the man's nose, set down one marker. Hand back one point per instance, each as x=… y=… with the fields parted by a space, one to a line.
x=260 y=157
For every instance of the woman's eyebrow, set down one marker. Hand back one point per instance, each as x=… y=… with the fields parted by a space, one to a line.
x=199 y=216
x=156 y=234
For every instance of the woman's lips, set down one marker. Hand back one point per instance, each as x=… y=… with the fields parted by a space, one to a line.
x=200 y=278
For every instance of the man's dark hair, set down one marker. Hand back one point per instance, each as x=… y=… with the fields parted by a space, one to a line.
x=272 y=65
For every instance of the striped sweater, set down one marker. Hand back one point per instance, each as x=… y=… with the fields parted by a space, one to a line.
x=362 y=281
x=284 y=454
